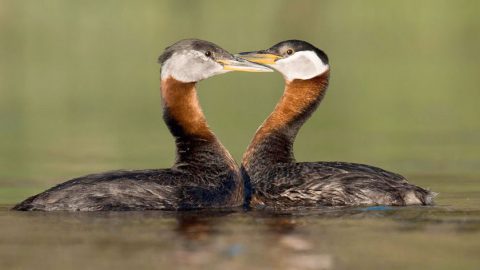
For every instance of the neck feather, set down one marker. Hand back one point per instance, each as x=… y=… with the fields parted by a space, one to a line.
x=273 y=141
x=184 y=117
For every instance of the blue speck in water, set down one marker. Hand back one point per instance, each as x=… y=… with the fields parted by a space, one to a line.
x=377 y=208
x=234 y=250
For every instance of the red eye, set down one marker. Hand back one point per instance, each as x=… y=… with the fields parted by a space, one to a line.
x=289 y=51
x=208 y=53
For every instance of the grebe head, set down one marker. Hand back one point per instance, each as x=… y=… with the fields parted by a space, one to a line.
x=192 y=60
x=295 y=59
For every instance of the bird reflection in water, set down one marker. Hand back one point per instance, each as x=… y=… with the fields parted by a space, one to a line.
x=290 y=245
x=199 y=226
x=200 y=233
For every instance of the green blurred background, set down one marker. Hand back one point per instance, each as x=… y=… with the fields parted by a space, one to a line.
x=79 y=84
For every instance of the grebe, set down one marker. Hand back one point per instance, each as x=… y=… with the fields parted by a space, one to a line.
x=204 y=174
x=275 y=180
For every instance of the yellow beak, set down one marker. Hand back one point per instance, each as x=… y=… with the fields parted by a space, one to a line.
x=260 y=58
x=239 y=64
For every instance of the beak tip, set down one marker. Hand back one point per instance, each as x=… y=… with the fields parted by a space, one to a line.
x=241 y=64
x=259 y=57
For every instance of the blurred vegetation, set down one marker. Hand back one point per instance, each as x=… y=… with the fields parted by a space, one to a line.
x=79 y=83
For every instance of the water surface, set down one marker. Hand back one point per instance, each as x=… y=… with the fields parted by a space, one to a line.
x=445 y=236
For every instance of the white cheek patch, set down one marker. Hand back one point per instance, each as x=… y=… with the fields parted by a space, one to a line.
x=190 y=66
x=301 y=65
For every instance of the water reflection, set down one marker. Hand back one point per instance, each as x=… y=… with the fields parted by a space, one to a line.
x=201 y=221
x=195 y=228
x=198 y=241
x=296 y=239
x=288 y=247
x=290 y=243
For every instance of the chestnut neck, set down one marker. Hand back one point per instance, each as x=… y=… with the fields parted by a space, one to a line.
x=184 y=117
x=273 y=141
